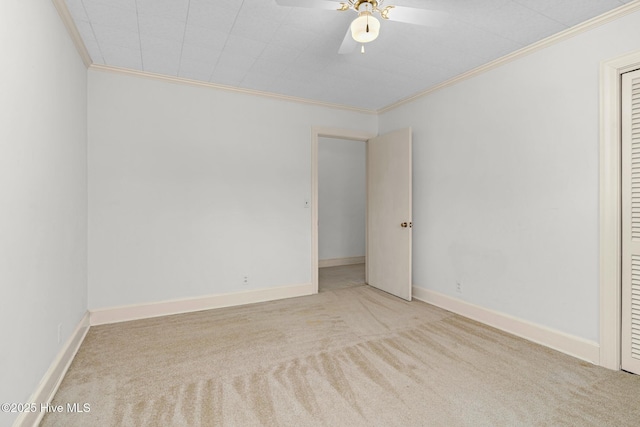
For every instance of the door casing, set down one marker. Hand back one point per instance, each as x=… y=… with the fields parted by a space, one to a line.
x=610 y=207
x=316 y=133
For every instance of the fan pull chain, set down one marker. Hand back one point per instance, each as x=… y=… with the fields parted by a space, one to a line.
x=367 y=29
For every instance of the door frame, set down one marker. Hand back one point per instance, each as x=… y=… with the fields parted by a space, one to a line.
x=611 y=206
x=318 y=132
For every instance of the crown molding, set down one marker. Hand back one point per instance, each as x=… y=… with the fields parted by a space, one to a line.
x=592 y=23
x=61 y=7
x=181 y=80
x=607 y=17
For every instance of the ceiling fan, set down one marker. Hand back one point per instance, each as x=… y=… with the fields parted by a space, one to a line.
x=366 y=27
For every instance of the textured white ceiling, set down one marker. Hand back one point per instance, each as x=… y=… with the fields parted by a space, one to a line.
x=259 y=45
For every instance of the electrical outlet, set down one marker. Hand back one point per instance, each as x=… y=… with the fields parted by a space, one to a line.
x=459 y=287
x=59 y=332
x=245 y=280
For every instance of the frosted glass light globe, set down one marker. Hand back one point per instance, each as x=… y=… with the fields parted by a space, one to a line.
x=365 y=28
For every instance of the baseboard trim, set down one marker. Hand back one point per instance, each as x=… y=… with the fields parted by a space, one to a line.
x=557 y=340
x=336 y=262
x=187 y=305
x=54 y=375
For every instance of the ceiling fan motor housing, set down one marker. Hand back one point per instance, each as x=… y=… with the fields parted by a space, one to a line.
x=358 y=3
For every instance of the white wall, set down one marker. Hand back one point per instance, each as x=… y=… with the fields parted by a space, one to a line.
x=192 y=188
x=506 y=182
x=342 y=198
x=43 y=194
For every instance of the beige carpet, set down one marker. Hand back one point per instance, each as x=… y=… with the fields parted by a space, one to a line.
x=350 y=357
x=344 y=276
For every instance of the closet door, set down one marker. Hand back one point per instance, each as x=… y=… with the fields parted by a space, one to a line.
x=631 y=222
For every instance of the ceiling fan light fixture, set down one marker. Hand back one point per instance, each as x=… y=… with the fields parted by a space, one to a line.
x=365 y=28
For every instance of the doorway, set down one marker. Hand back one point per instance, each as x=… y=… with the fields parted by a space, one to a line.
x=388 y=208
x=611 y=206
x=334 y=255
x=342 y=198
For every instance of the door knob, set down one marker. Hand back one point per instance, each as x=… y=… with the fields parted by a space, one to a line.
x=404 y=225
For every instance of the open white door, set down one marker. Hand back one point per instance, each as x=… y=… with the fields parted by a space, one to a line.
x=389 y=213
x=631 y=222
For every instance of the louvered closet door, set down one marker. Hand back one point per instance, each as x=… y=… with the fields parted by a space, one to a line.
x=631 y=222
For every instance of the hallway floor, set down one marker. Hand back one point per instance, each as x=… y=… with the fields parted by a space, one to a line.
x=344 y=276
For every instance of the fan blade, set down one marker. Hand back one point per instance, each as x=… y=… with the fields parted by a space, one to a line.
x=412 y=15
x=312 y=4
x=348 y=43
